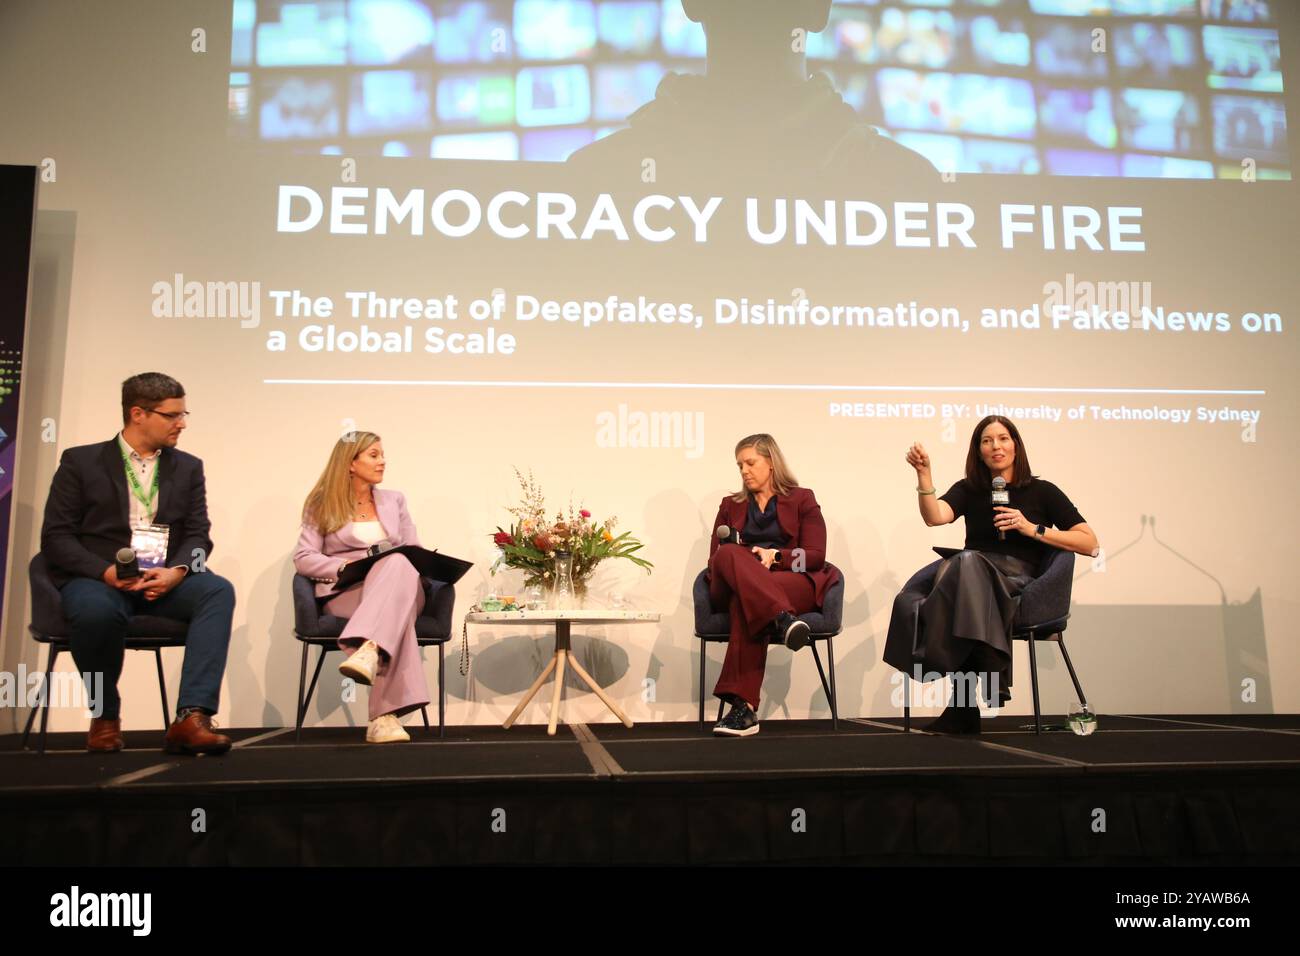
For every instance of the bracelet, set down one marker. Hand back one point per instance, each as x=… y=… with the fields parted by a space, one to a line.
x=930 y=492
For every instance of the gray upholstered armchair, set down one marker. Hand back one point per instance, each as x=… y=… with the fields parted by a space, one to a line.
x=714 y=626
x=311 y=627
x=1042 y=616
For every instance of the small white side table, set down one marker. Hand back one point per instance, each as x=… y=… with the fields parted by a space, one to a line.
x=563 y=622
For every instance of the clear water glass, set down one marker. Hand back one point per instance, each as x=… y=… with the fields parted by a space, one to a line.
x=1081 y=719
x=534 y=598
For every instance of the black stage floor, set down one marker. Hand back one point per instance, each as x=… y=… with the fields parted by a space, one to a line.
x=1142 y=789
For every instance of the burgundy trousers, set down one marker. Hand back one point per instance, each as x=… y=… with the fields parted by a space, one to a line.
x=753 y=596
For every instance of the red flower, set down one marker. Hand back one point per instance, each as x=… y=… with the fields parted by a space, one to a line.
x=503 y=538
x=542 y=542
x=585 y=513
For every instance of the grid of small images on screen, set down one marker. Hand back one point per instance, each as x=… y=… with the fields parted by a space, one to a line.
x=1146 y=88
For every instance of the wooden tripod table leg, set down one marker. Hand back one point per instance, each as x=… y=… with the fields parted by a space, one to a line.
x=532 y=692
x=573 y=662
x=560 y=657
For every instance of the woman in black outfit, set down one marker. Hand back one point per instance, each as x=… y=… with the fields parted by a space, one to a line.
x=964 y=624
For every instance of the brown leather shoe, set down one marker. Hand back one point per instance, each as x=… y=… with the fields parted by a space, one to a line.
x=105 y=735
x=193 y=734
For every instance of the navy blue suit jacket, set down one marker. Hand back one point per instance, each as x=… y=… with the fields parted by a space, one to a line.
x=87 y=516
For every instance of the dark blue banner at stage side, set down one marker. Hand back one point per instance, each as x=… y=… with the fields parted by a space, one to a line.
x=17 y=220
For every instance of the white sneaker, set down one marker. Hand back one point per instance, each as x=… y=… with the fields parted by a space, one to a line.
x=362 y=664
x=386 y=730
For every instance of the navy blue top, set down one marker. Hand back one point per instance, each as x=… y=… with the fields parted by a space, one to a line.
x=761 y=528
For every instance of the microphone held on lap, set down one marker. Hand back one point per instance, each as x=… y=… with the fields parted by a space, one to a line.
x=128 y=566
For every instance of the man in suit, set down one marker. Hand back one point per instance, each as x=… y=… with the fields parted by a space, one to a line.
x=102 y=496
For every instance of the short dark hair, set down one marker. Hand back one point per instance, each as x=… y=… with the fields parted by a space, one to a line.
x=976 y=471
x=148 y=390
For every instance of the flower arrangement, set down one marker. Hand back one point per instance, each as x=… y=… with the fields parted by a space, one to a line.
x=531 y=541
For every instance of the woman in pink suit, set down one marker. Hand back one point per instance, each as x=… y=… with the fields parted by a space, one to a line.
x=343 y=516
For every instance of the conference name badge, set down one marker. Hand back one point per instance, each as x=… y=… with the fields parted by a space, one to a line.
x=149 y=542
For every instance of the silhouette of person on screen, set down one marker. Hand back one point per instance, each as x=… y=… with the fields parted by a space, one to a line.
x=757 y=114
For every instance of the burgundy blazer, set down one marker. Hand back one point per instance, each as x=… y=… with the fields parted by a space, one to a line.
x=318 y=557
x=800 y=518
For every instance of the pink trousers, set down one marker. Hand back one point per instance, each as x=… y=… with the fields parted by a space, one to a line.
x=383 y=609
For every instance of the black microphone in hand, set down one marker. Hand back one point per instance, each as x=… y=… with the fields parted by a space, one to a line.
x=128 y=566
x=727 y=536
x=1001 y=497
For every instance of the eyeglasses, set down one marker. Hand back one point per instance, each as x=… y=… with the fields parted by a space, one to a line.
x=170 y=416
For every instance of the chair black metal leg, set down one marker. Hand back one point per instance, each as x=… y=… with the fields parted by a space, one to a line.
x=704 y=659
x=1078 y=688
x=830 y=662
x=1033 y=674
x=826 y=687
x=45 y=701
x=907 y=702
x=442 y=693
x=27 y=730
x=162 y=687
x=311 y=688
x=907 y=678
x=300 y=708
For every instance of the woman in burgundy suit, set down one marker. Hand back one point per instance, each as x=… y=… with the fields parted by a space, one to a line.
x=344 y=515
x=776 y=572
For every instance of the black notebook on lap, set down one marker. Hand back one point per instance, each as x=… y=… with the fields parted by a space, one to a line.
x=430 y=564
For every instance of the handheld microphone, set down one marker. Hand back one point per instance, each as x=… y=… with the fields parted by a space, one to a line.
x=1001 y=497
x=128 y=566
x=727 y=536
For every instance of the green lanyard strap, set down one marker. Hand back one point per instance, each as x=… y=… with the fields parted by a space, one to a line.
x=136 y=488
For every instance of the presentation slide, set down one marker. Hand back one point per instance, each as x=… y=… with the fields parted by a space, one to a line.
x=595 y=241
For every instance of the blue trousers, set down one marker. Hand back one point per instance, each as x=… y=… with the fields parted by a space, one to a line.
x=99 y=615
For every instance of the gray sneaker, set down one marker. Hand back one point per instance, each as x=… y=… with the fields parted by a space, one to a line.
x=741 y=721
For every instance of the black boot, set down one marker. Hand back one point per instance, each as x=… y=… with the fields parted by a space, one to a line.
x=959 y=720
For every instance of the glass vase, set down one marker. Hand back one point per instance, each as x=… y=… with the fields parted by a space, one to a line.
x=564 y=595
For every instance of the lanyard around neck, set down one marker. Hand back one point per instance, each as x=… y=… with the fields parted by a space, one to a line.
x=136 y=488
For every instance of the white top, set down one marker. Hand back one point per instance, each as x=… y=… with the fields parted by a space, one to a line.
x=370 y=532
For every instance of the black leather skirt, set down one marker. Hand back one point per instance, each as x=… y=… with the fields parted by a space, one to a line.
x=963 y=623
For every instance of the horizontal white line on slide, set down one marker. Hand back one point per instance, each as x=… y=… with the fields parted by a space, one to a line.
x=734 y=386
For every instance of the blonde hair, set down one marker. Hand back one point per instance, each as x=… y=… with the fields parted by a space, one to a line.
x=329 y=506
x=783 y=478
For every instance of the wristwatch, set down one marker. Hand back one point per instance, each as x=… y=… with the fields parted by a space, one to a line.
x=1040 y=530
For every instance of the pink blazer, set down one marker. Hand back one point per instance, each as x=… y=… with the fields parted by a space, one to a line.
x=318 y=557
